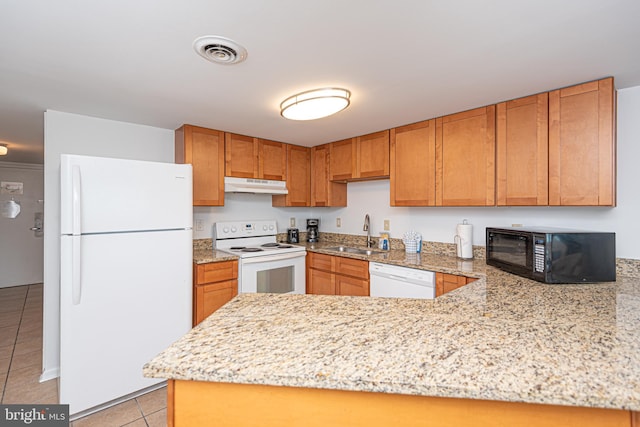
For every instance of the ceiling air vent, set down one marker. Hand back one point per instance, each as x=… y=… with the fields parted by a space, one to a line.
x=220 y=50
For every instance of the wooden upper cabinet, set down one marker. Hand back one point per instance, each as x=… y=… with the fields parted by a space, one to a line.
x=412 y=164
x=522 y=151
x=298 y=178
x=204 y=150
x=372 y=156
x=272 y=156
x=361 y=158
x=241 y=156
x=248 y=157
x=582 y=145
x=323 y=191
x=465 y=158
x=342 y=159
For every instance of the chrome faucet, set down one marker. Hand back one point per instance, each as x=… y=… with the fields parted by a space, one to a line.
x=367 y=228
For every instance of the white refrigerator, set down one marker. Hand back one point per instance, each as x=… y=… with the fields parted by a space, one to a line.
x=125 y=274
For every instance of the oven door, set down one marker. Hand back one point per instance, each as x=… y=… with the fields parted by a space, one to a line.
x=280 y=274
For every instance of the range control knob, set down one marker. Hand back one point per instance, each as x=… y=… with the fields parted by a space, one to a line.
x=271 y=227
x=264 y=227
x=225 y=230
x=234 y=229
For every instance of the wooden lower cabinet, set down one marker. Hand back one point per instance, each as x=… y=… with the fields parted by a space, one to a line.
x=214 y=284
x=336 y=275
x=196 y=403
x=448 y=282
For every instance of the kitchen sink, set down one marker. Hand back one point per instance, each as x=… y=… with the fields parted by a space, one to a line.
x=351 y=250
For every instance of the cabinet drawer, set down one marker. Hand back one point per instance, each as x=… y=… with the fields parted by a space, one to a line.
x=320 y=261
x=215 y=272
x=352 y=267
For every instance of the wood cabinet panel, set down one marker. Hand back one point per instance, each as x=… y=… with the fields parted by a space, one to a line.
x=323 y=191
x=465 y=158
x=352 y=267
x=342 y=159
x=241 y=156
x=320 y=261
x=412 y=164
x=522 y=151
x=448 y=282
x=321 y=283
x=204 y=150
x=336 y=275
x=298 y=178
x=372 y=156
x=272 y=160
x=346 y=285
x=582 y=145
x=214 y=284
x=210 y=297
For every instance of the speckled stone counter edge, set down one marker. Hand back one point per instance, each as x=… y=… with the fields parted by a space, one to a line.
x=204 y=253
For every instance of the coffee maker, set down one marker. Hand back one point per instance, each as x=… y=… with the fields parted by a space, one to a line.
x=312 y=230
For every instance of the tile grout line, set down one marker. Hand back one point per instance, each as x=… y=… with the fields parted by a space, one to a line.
x=144 y=418
x=15 y=341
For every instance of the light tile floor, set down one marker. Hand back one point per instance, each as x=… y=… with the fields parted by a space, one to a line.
x=21 y=365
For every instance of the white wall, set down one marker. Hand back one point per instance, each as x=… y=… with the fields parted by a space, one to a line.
x=438 y=224
x=66 y=133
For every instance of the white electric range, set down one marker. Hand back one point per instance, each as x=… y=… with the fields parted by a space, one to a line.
x=264 y=266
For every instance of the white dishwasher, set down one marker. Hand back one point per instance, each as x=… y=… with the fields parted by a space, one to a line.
x=401 y=282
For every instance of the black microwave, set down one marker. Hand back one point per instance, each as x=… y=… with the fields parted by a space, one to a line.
x=553 y=255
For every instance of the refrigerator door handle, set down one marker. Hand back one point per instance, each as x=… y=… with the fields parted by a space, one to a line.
x=76 y=201
x=76 y=271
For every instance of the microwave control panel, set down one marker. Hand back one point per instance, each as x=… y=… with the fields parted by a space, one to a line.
x=538 y=253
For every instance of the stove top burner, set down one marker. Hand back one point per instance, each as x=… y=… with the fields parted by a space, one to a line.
x=251 y=250
x=237 y=248
x=271 y=245
x=285 y=246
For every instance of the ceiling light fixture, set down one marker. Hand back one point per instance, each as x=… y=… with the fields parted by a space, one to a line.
x=3 y=149
x=315 y=104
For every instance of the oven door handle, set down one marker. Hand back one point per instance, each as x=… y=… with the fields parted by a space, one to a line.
x=258 y=259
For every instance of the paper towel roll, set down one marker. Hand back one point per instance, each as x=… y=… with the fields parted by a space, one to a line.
x=464 y=240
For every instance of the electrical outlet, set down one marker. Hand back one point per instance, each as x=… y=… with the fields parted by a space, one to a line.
x=386 y=225
x=199 y=225
x=292 y=222
x=338 y=222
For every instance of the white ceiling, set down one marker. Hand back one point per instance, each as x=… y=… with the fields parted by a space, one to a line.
x=403 y=60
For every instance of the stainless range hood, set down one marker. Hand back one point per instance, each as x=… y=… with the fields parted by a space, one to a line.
x=251 y=185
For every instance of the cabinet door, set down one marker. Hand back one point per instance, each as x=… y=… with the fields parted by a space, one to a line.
x=582 y=145
x=342 y=160
x=448 y=282
x=210 y=297
x=272 y=160
x=372 y=156
x=522 y=151
x=204 y=150
x=346 y=285
x=321 y=282
x=298 y=178
x=412 y=164
x=323 y=191
x=465 y=158
x=241 y=156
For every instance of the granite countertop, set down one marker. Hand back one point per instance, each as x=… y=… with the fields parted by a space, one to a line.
x=204 y=256
x=501 y=337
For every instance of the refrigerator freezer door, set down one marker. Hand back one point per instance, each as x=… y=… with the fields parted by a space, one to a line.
x=103 y=195
x=134 y=301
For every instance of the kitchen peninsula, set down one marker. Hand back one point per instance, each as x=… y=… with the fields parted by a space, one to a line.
x=501 y=348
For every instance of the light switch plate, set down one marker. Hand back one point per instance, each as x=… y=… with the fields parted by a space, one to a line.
x=199 y=225
x=292 y=222
x=386 y=225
